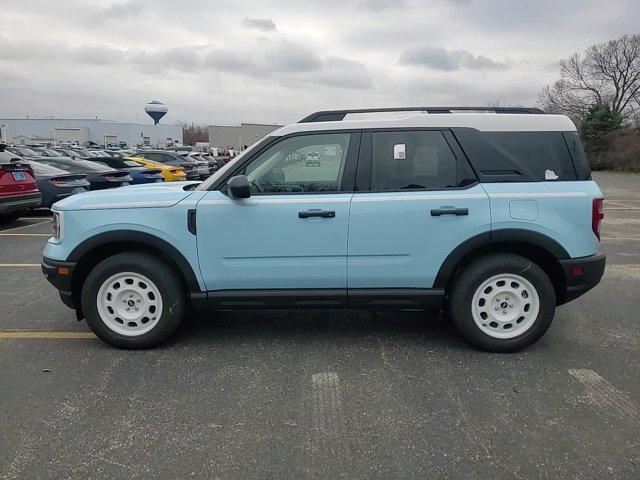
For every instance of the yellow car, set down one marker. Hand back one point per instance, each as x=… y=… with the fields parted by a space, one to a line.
x=169 y=172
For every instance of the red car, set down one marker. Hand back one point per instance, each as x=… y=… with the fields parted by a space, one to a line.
x=18 y=189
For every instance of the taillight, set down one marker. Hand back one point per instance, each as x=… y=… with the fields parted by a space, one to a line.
x=597 y=214
x=58 y=181
x=109 y=177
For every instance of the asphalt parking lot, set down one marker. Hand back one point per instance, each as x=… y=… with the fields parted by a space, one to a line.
x=322 y=394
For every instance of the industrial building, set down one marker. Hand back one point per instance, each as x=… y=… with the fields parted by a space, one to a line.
x=237 y=136
x=28 y=131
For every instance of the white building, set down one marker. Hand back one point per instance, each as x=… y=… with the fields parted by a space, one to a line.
x=85 y=131
x=237 y=136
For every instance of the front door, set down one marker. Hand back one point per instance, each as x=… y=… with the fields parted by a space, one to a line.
x=292 y=232
x=416 y=201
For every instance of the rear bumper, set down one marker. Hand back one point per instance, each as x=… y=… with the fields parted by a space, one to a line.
x=14 y=203
x=581 y=275
x=53 y=271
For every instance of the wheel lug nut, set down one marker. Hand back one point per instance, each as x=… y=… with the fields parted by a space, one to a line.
x=504 y=312
x=497 y=308
x=510 y=305
x=128 y=309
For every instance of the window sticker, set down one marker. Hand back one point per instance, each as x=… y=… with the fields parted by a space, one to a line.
x=550 y=175
x=399 y=151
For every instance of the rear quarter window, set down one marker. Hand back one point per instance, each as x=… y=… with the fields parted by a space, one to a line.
x=544 y=154
x=517 y=156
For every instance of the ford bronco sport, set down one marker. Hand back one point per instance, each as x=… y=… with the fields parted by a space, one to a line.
x=489 y=215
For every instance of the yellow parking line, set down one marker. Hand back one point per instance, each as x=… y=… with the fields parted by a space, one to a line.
x=25 y=234
x=25 y=226
x=19 y=264
x=44 y=335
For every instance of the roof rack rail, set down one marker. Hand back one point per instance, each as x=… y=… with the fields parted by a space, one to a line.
x=338 y=115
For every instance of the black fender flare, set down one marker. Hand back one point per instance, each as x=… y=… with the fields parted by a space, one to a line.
x=506 y=235
x=134 y=236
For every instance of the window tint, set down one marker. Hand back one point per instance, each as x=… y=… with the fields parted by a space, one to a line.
x=544 y=155
x=411 y=160
x=309 y=163
x=580 y=160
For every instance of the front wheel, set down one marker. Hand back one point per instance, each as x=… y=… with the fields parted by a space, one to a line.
x=133 y=300
x=502 y=302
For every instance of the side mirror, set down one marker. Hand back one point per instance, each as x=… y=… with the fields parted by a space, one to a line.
x=239 y=187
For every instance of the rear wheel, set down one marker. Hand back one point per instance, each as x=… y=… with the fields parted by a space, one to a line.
x=502 y=302
x=133 y=300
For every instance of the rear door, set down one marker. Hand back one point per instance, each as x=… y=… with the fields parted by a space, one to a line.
x=416 y=200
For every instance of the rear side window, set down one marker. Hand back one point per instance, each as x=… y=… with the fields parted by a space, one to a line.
x=544 y=154
x=580 y=161
x=411 y=160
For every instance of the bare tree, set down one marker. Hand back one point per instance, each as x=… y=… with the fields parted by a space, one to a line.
x=606 y=74
x=192 y=133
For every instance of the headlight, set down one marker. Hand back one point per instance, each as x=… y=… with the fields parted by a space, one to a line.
x=56 y=225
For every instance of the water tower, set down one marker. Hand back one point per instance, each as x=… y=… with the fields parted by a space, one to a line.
x=156 y=110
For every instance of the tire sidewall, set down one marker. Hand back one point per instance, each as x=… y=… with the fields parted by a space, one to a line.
x=469 y=280
x=161 y=274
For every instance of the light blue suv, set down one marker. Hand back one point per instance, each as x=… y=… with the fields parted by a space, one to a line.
x=489 y=215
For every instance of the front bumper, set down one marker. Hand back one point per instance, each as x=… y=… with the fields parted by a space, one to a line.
x=59 y=274
x=581 y=275
x=13 y=203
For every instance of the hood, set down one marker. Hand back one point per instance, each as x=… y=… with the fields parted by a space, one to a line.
x=135 y=196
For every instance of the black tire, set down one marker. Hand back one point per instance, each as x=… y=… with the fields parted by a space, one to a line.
x=13 y=216
x=470 y=278
x=167 y=280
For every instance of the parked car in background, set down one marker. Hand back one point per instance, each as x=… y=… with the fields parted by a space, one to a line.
x=98 y=175
x=170 y=173
x=164 y=157
x=18 y=189
x=55 y=184
x=205 y=166
x=313 y=159
x=139 y=173
x=73 y=152
x=22 y=152
x=46 y=152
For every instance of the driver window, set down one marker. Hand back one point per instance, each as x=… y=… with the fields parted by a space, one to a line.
x=306 y=163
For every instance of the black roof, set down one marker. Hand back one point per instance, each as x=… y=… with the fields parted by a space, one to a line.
x=338 y=115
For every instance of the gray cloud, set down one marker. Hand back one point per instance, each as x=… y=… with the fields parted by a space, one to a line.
x=291 y=57
x=119 y=11
x=344 y=73
x=448 y=60
x=379 y=5
x=265 y=24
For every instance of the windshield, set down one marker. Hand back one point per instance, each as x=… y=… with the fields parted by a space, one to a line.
x=232 y=163
x=25 y=152
x=43 y=169
x=6 y=157
x=49 y=153
x=82 y=166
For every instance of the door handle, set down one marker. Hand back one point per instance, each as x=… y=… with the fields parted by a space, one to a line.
x=317 y=213
x=437 y=212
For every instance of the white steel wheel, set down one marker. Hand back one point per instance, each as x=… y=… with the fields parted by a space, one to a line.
x=129 y=304
x=505 y=306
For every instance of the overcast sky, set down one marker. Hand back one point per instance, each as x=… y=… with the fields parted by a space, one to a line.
x=278 y=60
